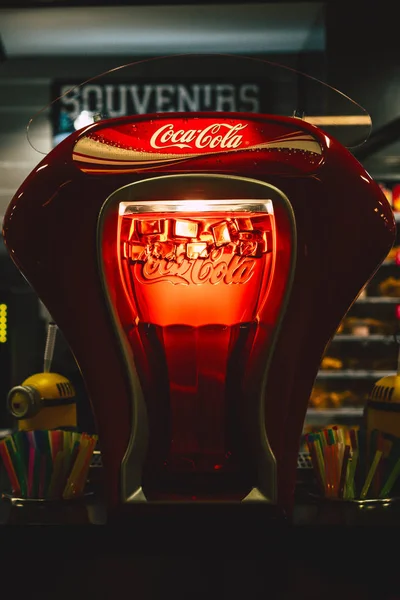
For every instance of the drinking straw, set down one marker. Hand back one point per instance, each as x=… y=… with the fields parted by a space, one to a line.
x=71 y=459
x=66 y=441
x=393 y=456
x=62 y=482
x=353 y=439
x=350 y=489
x=18 y=466
x=43 y=441
x=79 y=486
x=343 y=473
x=31 y=438
x=325 y=435
x=321 y=438
x=362 y=452
x=391 y=480
x=372 y=446
x=21 y=445
x=76 y=437
x=371 y=473
x=336 y=452
x=329 y=470
x=341 y=437
x=49 y=347
x=315 y=448
x=312 y=448
x=79 y=462
x=341 y=470
x=31 y=463
x=36 y=473
x=42 y=476
x=48 y=474
x=330 y=437
x=10 y=440
x=15 y=486
x=332 y=454
x=320 y=459
x=377 y=480
x=340 y=449
x=57 y=476
x=56 y=442
x=46 y=464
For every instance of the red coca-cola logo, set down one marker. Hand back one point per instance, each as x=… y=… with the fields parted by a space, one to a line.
x=215 y=135
x=217 y=268
x=141 y=143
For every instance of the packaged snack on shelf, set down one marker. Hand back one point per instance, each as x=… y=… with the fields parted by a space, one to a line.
x=322 y=398
x=390 y=287
x=330 y=362
x=351 y=325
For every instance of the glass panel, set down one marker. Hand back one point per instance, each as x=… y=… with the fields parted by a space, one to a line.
x=204 y=83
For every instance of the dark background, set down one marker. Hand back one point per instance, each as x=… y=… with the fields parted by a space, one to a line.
x=362 y=59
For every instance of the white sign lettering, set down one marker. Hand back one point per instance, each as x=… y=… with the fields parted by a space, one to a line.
x=117 y=100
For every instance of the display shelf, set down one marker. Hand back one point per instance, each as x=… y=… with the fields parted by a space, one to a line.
x=334 y=412
x=342 y=414
x=371 y=338
x=354 y=363
x=378 y=300
x=322 y=417
x=353 y=374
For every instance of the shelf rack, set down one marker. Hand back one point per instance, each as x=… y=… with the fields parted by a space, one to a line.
x=353 y=374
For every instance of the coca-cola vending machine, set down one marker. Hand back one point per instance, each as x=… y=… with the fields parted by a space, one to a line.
x=198 y=263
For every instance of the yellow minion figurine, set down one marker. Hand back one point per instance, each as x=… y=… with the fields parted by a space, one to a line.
x=382 y=410
x=44 y=400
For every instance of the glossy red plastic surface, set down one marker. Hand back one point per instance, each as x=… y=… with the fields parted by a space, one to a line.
x=345 y=228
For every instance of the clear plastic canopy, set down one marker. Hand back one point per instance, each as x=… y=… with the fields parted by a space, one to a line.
x=202 y=83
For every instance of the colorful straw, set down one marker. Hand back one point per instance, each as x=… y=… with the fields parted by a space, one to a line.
x=49 y=464
x=353 y=464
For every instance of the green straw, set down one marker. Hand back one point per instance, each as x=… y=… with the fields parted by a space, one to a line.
x=350 y=491
x=320 y=460
x=391 y=480
x=371 y=473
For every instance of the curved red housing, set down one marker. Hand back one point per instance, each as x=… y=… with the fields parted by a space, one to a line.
x=60 y=230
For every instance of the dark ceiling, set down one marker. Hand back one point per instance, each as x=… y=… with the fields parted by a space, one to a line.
x=109 y=3
x=104 y=29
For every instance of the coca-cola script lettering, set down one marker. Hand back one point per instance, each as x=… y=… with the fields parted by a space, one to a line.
x=216 y=135
x=231 y=269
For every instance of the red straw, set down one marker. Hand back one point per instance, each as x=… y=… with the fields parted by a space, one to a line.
x=353 y=440
x=56 y=437
x=10 y=469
